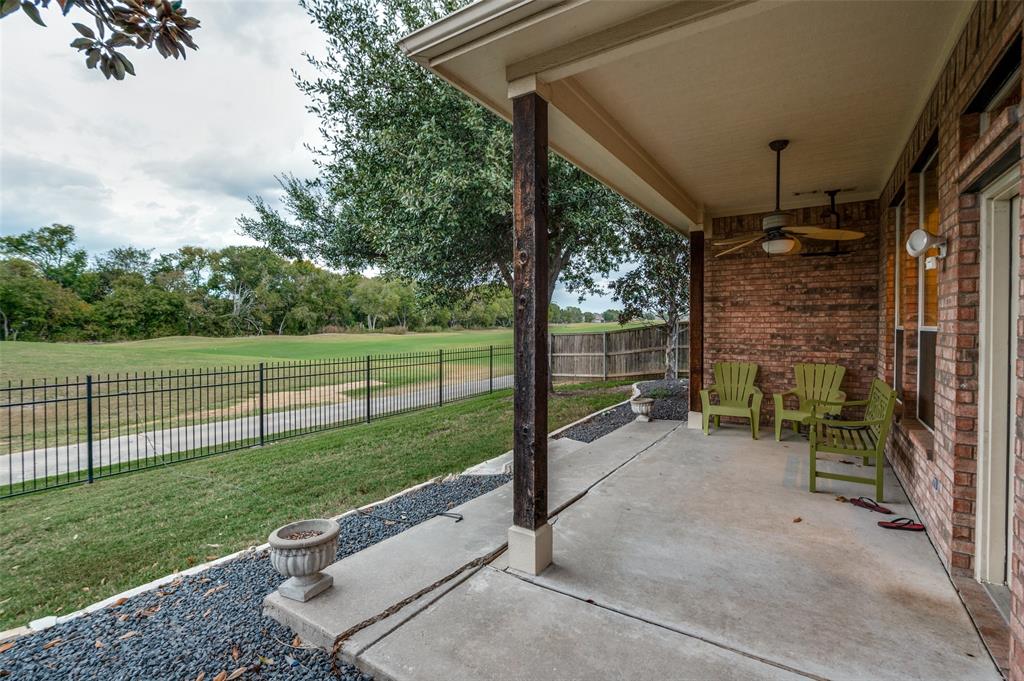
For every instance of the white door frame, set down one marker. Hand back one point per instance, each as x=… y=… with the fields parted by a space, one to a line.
x=994 y=361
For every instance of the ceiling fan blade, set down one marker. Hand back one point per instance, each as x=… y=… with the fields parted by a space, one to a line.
x=737 y=239
x=736 y=248
x=799 y=247
x=825 y=234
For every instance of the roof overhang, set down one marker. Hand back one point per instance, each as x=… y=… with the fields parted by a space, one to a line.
x=672 y=104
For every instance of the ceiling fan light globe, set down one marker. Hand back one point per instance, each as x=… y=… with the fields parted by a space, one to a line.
x=779 y=246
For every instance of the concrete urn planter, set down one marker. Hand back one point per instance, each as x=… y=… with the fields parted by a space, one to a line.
x=299 y=551
x=642 y=407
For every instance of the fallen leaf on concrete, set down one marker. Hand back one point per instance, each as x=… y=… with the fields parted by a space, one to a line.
x=123 y=618
x=841 y=499
x=798 y=519
x=7 y=646
x=54 y=642
x=201 y=676
x=120 y=601
x=235 y=653
x=215 y=589
x=221 y=677
x=99 y=644
x=236 y=674
x=207 y=613
x=130 y=634
x=296 y=641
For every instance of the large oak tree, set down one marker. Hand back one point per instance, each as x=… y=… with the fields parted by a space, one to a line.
x=414 y=177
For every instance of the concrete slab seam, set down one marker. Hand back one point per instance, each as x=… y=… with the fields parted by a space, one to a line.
x=472 y=567
x=660 y=625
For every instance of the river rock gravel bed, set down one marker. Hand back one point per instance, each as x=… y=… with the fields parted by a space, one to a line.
x=211 y=622
x=671 y=404
x=671 y=399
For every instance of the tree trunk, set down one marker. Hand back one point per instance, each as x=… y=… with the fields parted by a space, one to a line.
x=672 y=332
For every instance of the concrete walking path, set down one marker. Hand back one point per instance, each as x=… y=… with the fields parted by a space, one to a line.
x=135 y=448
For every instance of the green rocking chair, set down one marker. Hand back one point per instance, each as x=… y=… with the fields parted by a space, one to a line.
x=814 y=383
x=737 y=395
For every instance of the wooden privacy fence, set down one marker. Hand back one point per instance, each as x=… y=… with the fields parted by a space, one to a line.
x=616 y=354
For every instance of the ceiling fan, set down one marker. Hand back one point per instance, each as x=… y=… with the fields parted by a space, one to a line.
x=777 y=236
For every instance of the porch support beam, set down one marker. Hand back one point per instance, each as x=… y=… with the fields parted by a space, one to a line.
x=624 y=39
x=530 y=537
x=696 y=320
x=572 y=99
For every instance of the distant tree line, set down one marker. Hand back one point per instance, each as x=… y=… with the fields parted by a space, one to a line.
x=51 y=290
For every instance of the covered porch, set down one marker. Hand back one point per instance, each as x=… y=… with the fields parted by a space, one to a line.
x=677 y=556
x=706 y=557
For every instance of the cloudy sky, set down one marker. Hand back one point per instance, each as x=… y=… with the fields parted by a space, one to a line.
x=167 y=158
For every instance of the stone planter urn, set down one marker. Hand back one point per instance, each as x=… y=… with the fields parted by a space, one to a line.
x=642 y=407
x=299 y=551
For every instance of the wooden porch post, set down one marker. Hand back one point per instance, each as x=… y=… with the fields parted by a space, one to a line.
x=530 y=536
x=696 y=319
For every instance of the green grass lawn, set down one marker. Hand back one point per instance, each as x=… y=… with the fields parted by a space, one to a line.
x=20 y=360
x=63 y=549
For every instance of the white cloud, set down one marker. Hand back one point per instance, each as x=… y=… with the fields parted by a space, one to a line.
x=163 y=159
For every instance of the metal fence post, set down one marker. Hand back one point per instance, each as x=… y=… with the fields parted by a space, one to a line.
x=88 y=424
x=490 y=370
x=263 y=412
x=604 y=352
x=368 y=360
x=440 y=377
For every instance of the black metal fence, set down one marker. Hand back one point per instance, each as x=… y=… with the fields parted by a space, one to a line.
x=66 y=431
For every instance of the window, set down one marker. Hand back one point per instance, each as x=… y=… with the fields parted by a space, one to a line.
x=928 y=294
x=901 y=253
x=1007 y=95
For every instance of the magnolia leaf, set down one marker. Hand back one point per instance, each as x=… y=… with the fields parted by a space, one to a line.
x=127 y=65
x=92 y=57
x=9 y=7
x=118 y=67
x=82 y=43
x=66 y=5
x=32 y=12
x=84 y=30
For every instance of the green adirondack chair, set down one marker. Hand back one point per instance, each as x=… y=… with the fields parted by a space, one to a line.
x=737 y=396
x=814 y=383
x=864 y=438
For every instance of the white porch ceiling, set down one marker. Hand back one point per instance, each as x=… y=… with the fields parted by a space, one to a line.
x=673 y=104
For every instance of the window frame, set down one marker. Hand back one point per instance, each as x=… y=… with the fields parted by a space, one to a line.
x=898 y=330
x=923 y=328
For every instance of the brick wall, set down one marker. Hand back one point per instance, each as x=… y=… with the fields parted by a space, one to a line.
x=777 y=311
x=938 y=468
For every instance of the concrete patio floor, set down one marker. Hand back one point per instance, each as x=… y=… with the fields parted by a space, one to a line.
x=684 y=559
